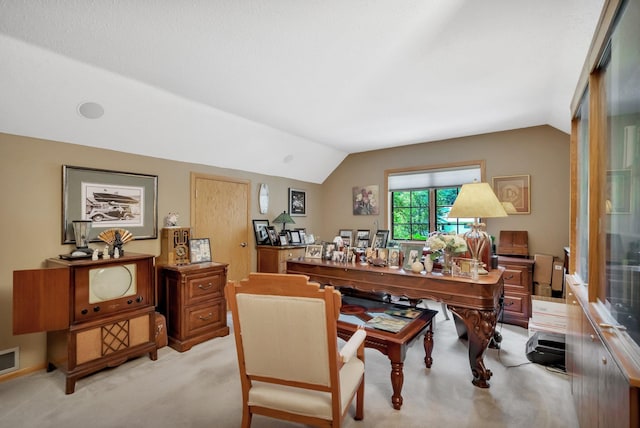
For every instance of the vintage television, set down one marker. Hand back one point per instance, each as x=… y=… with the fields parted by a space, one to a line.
x=97 y=313
x=111 y=286
x=71 y=291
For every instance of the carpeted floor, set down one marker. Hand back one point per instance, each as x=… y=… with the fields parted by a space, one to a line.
x=201 y=388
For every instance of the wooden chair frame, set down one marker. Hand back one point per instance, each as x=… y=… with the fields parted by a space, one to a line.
x=267 y=284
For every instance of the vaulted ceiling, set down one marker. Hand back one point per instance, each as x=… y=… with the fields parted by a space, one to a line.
x=286 y=87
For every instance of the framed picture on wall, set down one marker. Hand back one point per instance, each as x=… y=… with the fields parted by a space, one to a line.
x=109 y=199
x=514 y=192
x=366 y=200
x=297 y=202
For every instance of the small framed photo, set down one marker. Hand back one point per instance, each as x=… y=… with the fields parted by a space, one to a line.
x=328 y=248
x=295 y=237
x=381 y=239
x=303 y=235
x=463 y=266
x=297 y=202
x=313 y=252
x=283 y=240
x=347 y=236
x=362 y=238
x=412 y=253
x=199 y=250
x=274 y=239
x=394 y=258
x=260 y=230
x=383 y=254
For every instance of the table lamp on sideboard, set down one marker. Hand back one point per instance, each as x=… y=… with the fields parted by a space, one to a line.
x=476 y=201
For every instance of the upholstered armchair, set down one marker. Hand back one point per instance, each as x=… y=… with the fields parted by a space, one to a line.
x=287 y=344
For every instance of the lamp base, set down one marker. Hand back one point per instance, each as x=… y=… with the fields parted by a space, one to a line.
x=476 y=239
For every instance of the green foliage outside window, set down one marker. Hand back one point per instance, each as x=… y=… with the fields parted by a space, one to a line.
x=411 y=209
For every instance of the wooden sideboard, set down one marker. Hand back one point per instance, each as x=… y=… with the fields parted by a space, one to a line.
x=191 y=297
x=273 y=259
x=518 y=288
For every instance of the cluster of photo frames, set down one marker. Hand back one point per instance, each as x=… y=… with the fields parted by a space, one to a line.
x=268 y=235
x=361 y=238
x=360 y=243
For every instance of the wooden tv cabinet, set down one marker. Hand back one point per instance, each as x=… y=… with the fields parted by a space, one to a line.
x=86 y=331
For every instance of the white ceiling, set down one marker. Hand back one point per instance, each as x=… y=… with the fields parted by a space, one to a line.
x=287 y=87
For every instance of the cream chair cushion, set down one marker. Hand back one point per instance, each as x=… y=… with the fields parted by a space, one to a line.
x=268 y=328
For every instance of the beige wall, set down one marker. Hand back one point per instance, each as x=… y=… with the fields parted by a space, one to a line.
x=31 y=173
x=541 y=152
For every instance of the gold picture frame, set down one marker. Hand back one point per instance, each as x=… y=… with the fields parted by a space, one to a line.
x=514 y=192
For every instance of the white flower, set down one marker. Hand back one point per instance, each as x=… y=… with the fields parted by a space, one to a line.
x=446 y=242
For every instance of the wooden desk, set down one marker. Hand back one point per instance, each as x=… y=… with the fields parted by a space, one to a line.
x=393 y=345
x=475 y=304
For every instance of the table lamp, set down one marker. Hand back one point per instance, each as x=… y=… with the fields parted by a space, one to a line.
x=81 y=230
x=284 y=218
x=477 y=200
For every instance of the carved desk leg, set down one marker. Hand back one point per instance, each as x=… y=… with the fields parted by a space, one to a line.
x=480 y=327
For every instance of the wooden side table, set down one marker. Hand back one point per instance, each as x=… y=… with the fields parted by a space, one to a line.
x=518 y=288
x=191 y=297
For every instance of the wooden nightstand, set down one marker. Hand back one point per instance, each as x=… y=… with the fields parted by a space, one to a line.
x=518 y=287
x=273 y=259
x=191 y=297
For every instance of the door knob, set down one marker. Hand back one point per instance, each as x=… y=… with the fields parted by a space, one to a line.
x=243 y=244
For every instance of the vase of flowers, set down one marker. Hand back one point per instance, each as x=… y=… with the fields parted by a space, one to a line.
x=446 y=246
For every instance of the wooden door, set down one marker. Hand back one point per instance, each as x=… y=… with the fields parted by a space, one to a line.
x=220 y=212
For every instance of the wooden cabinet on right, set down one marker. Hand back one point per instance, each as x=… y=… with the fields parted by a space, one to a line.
x=518 y=287
x=601 y=392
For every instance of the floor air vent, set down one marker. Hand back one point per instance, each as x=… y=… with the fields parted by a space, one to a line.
x=9 y=360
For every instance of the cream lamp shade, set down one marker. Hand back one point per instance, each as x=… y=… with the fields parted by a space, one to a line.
x=477 y=200
x=509 y=208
